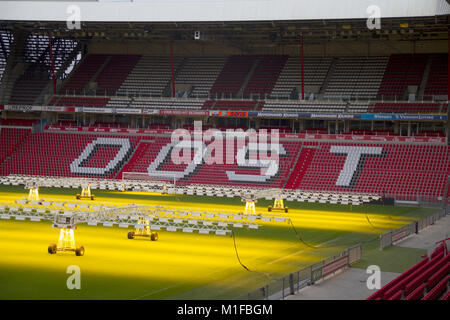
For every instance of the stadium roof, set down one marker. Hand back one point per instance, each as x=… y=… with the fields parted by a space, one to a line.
x=217 y=10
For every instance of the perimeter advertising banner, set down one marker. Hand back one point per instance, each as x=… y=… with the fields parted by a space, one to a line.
x=235 y=114
x=107 y=130
x=58 y=109
x=232 y=114
x=296 y=136
x=95 y=110
x=127 y=111
x=405 y=117
x=192 y=113
x=350 y=137
x=22 y=108
x=350 y=116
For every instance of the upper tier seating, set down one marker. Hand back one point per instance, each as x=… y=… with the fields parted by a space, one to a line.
x=118 y=102
x=402 y=70
x=108 y=71
x=150 y=76
x=314 y=74
x=356 y=77
x=114 y=73
x=77 y=82
x=29 y=86
x=166 y=103
x=407 y=107
x=264 y=76
x=232 y=76
x=275 y=77
x=200 y=73
x=437 y=84
x=303 y=106
x=358 y=107
x=82 y=102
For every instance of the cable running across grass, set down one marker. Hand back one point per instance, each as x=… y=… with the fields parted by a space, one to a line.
x=239 y=260
x=317 y=247
x=299 y=237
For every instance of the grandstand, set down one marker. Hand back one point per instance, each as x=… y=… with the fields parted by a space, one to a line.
x=359 y=111
x=426 y=280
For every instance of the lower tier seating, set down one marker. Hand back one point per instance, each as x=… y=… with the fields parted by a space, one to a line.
x=426 y=280
x=386 y=169
x=10 y=138
x=403 y=171
x=69 y=155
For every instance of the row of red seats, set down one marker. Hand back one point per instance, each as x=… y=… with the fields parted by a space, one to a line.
x=399 y=170
x=18 y=122
x=235 y=105
x=10 y=138
x=82 y=102
x=315 y=131
x=115 y=72
x=402 y=70
x=233 y=75
x=409 y=107
x=437 y=83
x=51 y=154
x=84 y=73
x=426 y=280
x=402 y=171
x=265 y=76
x=305 y=158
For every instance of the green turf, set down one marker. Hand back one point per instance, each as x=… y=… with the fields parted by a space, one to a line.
x=191 y=266
x=391 y=259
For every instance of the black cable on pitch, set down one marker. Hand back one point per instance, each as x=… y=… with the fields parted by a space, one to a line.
x=237 y=254
x=368 y=220
x=239 y=260
x=299 y=236
x=310 y=246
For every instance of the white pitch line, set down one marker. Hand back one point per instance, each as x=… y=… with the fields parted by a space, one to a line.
x=303 y=250
x=157 y=291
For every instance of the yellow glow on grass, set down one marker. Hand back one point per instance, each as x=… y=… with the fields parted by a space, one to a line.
x=313 y=219
x=197 y=260
x=176 y=256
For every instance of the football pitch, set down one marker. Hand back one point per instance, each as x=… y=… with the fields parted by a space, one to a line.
x=182 y=265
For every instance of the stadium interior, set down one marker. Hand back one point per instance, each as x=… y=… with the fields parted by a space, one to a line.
x=359 y=111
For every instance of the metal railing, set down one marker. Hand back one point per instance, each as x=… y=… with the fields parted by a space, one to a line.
x=394 y=236
x=294 y=282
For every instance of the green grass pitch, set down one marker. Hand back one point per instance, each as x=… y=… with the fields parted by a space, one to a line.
x=181 y=265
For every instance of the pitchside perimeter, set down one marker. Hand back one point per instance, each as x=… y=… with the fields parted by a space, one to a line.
x=180 y=265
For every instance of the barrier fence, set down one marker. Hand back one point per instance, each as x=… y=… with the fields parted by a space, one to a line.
x=394 y=236
x=292 y=283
